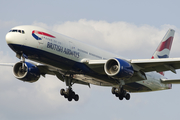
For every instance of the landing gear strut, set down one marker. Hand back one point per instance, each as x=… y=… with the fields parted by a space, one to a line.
x=120 y=93
x=69 y=93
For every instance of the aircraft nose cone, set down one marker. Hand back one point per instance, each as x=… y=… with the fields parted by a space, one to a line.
x=8 y=38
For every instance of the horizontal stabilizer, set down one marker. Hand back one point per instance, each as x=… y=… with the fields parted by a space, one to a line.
x=170 y=81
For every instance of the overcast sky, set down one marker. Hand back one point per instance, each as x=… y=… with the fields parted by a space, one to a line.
x=129 y=28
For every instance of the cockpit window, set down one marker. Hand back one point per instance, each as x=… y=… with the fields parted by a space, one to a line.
x=20 y=31
x=14 y=30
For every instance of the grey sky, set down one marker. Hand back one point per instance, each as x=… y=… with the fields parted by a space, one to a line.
x=132 y=29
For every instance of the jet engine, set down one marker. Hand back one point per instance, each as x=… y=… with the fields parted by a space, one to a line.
x=26 y=71
x=118 y=68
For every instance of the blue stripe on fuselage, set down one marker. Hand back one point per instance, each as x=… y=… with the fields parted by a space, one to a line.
x=36 y=37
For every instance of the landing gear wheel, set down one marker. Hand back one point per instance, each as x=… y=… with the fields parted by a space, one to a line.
x=65 y=96
x=113 y=90
x=116 y=94
x=69 y=98
x=73 y=94
x=127 y=96
x=69 y=94
x=121 y=97
x=120 y=93
x=62 y=92
x=76 y=97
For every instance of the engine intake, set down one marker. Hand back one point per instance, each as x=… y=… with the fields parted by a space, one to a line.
x=118 y=68
x=26 y=72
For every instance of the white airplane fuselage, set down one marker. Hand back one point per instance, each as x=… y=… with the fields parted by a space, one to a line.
x=66 y=54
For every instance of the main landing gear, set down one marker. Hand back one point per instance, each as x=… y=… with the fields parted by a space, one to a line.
x=120 y=93
x=69 y=93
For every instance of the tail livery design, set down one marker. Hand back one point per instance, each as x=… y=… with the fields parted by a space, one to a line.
x=164 y=47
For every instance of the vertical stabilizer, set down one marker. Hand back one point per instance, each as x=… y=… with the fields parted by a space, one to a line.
x=164 y=47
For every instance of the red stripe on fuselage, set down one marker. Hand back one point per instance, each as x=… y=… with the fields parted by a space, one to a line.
x=43 y=33
x=166 y=44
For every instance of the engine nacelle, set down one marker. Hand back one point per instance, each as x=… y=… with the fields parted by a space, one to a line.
x=26 y=72
x=118 y=68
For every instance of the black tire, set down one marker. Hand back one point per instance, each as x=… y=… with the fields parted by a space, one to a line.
x=65 y=96
x=113 y=90
x=76 y=97
x=69 y=98
x=116 y=94
x=62 y=91
x=127 y=96
x=73 y=94
x=121 y=97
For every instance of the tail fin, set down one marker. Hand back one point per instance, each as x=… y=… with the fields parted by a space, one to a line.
x=164 y=47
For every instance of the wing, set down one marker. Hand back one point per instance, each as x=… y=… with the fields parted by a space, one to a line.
x=159 y=65
x=145 y=65
x=44 y=69
x=140 y=66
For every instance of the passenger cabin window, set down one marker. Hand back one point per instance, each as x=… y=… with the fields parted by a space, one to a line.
x=19 y=31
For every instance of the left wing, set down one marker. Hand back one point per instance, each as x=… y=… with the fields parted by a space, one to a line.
x=159 y=65
x=145 y=65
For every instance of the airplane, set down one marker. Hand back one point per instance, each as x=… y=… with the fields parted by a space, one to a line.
x=75 y=62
